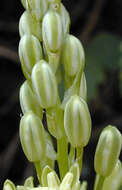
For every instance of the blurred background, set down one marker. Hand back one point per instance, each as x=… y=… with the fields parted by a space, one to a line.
x=98 y=24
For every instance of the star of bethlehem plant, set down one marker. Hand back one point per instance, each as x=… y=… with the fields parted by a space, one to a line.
x=51 y=58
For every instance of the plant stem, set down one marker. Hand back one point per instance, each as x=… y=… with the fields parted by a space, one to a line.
x=79 y=157
x=62 y=146
x=71 y=156
x=38 y=170
x=98 y=182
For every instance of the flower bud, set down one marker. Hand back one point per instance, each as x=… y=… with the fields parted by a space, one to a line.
x=76 y=174
x=77 y=121
x=28 y=100
x=52 y=181
x=107 y=151
x=28 y=25
x=52 y=32
x=9 y=185
x=30 y=52
x=44 y=84
x=114 y=180
x=29 y=182
x=83 y=87
x=32 y=136
x=37 y=8
x=72 y=55
x=67 y=181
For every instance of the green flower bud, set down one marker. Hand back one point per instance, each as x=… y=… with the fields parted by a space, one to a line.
x=84 y=185
x=9 y=185
x=28 y=25
x=77 y=121
x=52 y=32
x=67 y=181
x=107 y=151
x=114 y=180
x=72 y=55
x=76 y=174
x=52 y=181
x=32 y=136
x=37 y=8
x=28 y=100
x=83 y=87
x=44 y=84
x=29 y=182
x=30 y=52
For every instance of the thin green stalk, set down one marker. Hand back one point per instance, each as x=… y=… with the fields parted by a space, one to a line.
x=98 y=182
x=71 y=156
x=79 y=157
x=62 y=147
x=38 y=170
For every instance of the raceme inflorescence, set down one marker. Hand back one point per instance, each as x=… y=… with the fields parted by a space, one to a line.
x=52 y=62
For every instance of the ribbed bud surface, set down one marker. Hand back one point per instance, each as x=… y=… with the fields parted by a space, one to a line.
x=30 y=52
x=52 y=31
x=44 y=84
x=37 y=8
x=77 y=121
x=108 y=150
x=8 y=185
x=83 y=87
x=32 y=137
x=72 y=55
x=28 y=25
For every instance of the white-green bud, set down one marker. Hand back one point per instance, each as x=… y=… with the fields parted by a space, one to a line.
x=77 y=121
x=28 y=100
x=32 y=136
x=73 y=57
x=29 y=182
x=52 y=32
x=37 y=8
x=30 y=52
x=44 y=84
x=83 y=87
x=28 y=25
x=107 y=151
x=9 y=185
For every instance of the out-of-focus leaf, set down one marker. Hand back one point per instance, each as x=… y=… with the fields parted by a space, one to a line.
x=102 y=53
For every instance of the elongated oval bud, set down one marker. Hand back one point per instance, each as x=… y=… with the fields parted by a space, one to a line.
x=44 y=84
x=37 y=8
x=30 y=52
x=77 y=121
x=83 y=87
x=28 y=25
x=114 y=181
x=28 y=100
x=32 y=136
x=72 y=55
x=9 y=185
x=52 y=32
x=108 y=150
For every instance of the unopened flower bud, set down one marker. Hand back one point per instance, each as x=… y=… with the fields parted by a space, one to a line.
x=72 y=55
x=29 y=182
x=52 y=32
x=28 y=25
x=32 y=136
x=83 y=87
x=30 y=52
x=107 y=151
x=77 y=121
x=9 y=185
x=37 y=8
x=67 y=181
x=28 y=100
x=44 y=84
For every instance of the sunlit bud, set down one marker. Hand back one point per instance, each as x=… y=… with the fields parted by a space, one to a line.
x=29 y=182
x=52 y=181
x=28 y=100
x=83 y=87
x=76 y=174
x=108 y=150
x=28 y=25
x=9 y=185
x=72 y=55
x=65 y=18
x=77 y=121
x=44 y=84
x=114 y=180
x=37 y=8
x=52 y=32
x=32 y=137
x=67 y=181
x=30 y=52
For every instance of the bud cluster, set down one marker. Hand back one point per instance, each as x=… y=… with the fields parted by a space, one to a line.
x=51 y=58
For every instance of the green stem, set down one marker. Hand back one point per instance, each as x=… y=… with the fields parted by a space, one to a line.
x=98 y=182
x=71 y=156
x=79 y=157
x=38 y=170
x=62 y=147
